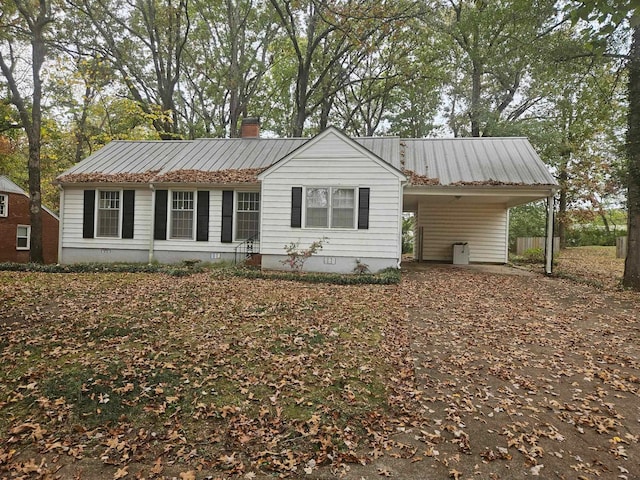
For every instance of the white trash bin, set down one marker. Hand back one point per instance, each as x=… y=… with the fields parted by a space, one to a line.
x=461 y=253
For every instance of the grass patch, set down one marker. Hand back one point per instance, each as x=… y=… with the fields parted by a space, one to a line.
x=95 y=398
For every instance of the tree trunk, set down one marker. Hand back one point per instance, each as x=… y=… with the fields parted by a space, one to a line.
x=476 y=89
x=31 y=115
x=234 y=71
x=34 y=135
x=605 y=222
x=562 y=205
x=300 y=114
x=632 y=263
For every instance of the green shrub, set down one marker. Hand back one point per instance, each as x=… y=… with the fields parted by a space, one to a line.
x=387 y=276
x=179 y=270
x=532 y=255
x=592 y=235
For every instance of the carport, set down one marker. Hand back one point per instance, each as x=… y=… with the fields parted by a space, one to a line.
x=461 y=190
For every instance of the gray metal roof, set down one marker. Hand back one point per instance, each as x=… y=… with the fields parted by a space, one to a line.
x=510 y=160
x=125 y=156
x=212 y=154
x=387 y=148
x=452 y=160
x=7 y=186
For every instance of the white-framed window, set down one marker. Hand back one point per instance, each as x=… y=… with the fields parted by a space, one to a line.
x=330 y=207
x=4 y=205
x=182 y=215
x=23 y=237
x=108 y=218
x=247 y=215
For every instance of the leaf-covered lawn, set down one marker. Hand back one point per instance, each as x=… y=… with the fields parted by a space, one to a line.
x=597 y=265
x=454 y=373
x=204 y=372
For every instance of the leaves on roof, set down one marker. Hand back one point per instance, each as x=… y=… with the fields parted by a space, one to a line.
x=488 y=182
x=143 y=177
x=422 y=180
x=417 y=179
x=245 y=175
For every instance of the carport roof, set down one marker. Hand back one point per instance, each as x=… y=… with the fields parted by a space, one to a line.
x=487 y=160
x=451 y=161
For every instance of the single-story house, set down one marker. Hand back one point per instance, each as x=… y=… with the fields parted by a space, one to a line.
x=15 y=226
x=208 y=199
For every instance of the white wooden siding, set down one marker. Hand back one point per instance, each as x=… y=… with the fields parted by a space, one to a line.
x=73 y=216
x=333 y=162
x=483 y=226
x=71 y=237
x=215 y=228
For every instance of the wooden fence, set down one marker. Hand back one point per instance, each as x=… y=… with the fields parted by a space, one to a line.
x=621 y=247
x=527 y=243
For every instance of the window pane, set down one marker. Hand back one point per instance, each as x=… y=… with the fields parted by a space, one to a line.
x=182 y=224
x=342 y=207
x=22 y=237
x=343 y=198
x=182 y=210
x=3 y=205
x=317 y=206
x=342 y=218
x=248 y=201
x=247 y=225
x=248 y=215
x=318 y=197
x=108 y=214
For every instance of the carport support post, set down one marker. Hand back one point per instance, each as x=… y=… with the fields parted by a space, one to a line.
x=548 y=251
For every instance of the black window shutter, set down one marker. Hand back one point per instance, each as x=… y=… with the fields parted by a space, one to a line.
x=160 y=215
x=296 y=207
x=363 y=208
x=128 y=201
x=88 y=213
x=202 y=228
x=227 y=216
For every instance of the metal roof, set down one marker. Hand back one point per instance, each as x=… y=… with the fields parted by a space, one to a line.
x=7 y=186
x=212 y=154
x=131 y=156
x=387 y=148
x=509 y=160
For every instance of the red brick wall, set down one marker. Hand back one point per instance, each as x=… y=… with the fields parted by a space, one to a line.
x=18 y=214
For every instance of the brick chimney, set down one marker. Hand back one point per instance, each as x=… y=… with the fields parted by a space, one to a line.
x=250 y=128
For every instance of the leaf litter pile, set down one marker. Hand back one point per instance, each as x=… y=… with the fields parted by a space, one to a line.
x=454 y=373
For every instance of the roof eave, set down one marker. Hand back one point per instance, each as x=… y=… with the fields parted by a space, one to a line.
x=481 y=189
x=155 y=184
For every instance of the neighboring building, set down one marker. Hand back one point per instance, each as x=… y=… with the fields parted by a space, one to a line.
x=208 y=199
x=15 y=226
